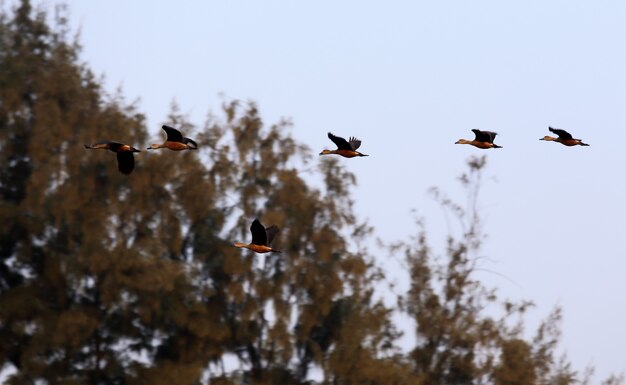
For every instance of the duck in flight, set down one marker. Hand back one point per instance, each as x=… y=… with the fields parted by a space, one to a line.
x=125 y=157
x=483 y=139
x=345 y=148
x=175 y=141
x=261 y=238
x=564 y=138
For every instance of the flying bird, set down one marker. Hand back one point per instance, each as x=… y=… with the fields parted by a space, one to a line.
x=175 y=141
x=261 y=238
x=125 y=157
x=564 y=138
x=345 y=148
x=483 y=139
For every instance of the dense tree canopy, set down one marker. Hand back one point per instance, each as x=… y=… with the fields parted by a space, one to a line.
x=113 y=279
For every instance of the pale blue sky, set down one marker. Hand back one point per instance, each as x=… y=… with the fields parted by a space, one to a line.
x=409 y=78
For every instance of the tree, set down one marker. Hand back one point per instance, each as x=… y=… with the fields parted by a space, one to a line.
x=107 y=278
x=459 y=340
x=113 y=279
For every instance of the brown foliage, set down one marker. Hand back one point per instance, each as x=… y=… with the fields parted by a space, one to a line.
x=107 y=278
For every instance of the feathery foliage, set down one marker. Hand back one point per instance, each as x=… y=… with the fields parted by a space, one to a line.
x=113 y=279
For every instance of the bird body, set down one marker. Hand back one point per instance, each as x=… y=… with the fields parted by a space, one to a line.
x=125 y=157
x=564 y=137
x=261 y=238
x=256 y=248
x=483 y=140
x=346 y=148
x=175 y=141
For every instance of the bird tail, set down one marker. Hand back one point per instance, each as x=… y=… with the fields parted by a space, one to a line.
x=583 y=144
x=496 y=146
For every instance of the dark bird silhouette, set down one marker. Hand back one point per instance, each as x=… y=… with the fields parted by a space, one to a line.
x=345 y=148
x=564 y=138
x=175 y=141
x=125 y=157
x=261 y=238
x=483 y=139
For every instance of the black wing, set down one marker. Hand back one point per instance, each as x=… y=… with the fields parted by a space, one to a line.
x=259 y=236
x=492 y=135
x=354 y=143
x=271 y=233
x=125 y=162
x=341 y=143
x=173 y=135
x=191 y=143
x=484 y=136
x=561 y=133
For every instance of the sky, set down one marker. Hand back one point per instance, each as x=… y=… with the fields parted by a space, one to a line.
x=409 y=78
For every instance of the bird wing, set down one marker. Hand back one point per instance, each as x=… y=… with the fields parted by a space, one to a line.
x=125 y=162
x=561 y=133
x=484 y=136
x=271 y=233
x=114 y=146
x=492 y=135
x=102 y=144
x=341 y=143
x=173 y=135
x=259 y=236
x=190 y=142
x=354 y=143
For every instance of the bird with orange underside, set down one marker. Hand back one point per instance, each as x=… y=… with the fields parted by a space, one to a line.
x=125 y=157
x=346 y=148
x=175 y=141
x=261 y=238
x=564 y=137
x=483 y=140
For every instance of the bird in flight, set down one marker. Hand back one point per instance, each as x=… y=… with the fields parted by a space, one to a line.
x=175 y=141
x=261 y=238
x=564 y=138
x=345 y=148
x=483 y=139
x=125 y=157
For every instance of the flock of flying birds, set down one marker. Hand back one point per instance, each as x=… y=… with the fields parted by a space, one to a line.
x=262 y=237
